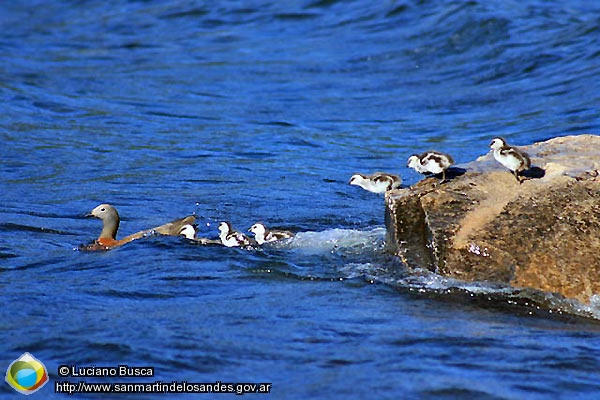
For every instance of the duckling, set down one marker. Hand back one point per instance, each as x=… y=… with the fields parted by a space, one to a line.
x=189 y=231
x=379 y=182
x=263 y=235
x=515 y=160
x=431 y=162
x=232 y=238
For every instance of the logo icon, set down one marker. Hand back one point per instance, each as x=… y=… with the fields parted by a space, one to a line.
x=26 y=374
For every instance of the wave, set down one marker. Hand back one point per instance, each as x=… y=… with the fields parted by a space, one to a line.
x=364 y=255
x=489 y=294
x=334 y=240
x=360 y=255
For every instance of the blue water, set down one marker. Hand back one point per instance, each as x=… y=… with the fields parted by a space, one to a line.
x=262 y=110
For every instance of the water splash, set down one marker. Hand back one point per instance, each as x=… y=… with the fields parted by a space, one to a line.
x=524 y=301
x=363 y=256
x=337 y=240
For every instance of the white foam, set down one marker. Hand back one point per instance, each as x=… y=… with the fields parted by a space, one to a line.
x=335 y=239
x=424 y=281
x=363 y=246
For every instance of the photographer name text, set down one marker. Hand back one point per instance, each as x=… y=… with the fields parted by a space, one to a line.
x=75 y=371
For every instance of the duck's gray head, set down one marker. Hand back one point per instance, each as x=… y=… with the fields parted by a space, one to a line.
x=110 y=220
x=104 y=212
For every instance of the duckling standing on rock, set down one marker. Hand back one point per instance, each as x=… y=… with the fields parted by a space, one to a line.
x=515 y=160
x=263 y=235
x=379 y=182
x=232 y=238
x=431 y=162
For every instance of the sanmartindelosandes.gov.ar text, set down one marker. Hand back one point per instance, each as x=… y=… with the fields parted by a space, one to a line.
x=162 y=387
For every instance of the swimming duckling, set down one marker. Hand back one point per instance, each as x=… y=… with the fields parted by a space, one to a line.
x=263 y=235
x=189 y=231
x=232 y=238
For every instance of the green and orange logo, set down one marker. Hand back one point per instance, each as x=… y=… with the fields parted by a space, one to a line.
x=26 y=374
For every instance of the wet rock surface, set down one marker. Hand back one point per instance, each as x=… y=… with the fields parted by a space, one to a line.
x=483 y=225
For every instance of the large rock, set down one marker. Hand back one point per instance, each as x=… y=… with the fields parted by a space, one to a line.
x=483 y=226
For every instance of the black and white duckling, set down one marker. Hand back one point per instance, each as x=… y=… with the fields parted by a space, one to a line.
x=414 y=162
x=232 y=238
x=189 y=232
x=379 y=182
x=431 y=162
x=515 y=160
x=264 y=235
